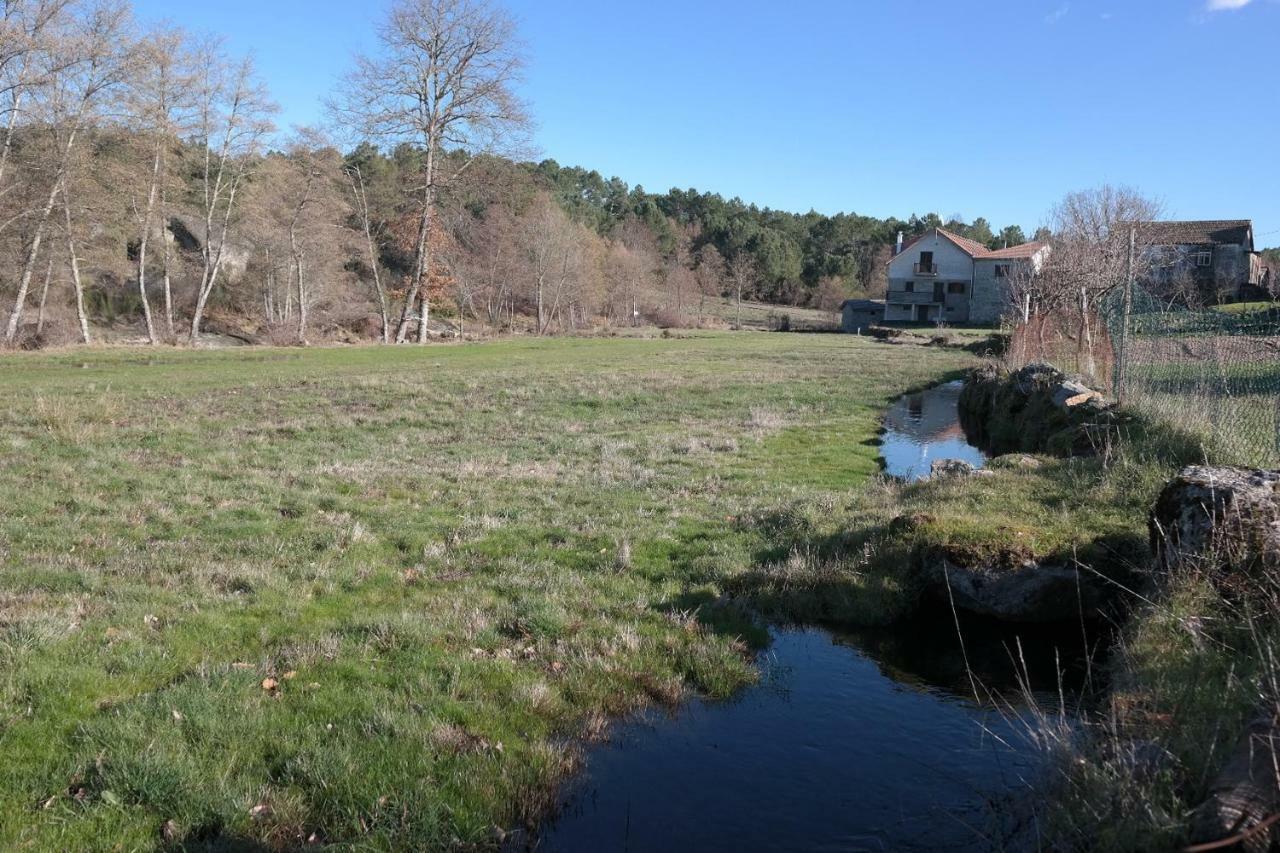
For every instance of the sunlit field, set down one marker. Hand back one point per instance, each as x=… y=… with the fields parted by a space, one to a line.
x=377 y=595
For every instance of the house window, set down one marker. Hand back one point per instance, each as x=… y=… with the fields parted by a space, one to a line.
x=909 y=287
x=956 y=287
x=1002 y=270
x=1204 y=259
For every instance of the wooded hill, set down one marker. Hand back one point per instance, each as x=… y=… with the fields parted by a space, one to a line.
x=145 y=192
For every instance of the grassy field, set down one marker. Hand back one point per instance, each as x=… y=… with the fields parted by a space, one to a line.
x=766 y=316
x=1245 y=307
x=372 y=596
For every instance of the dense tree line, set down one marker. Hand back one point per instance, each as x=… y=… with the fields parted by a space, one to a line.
x=145 y=191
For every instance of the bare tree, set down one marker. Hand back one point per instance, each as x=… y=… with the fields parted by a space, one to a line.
x=490 y=262
x=88 y=58
x=1091 y=254
x=28 y=34
x=678 y=270
x=443 y=79
x=556 y=261
x=626 y=271
x=709 y=271
x=743 y=274
x=232 y=120
x=310 y=202
x=159 y=101
x=372 y=240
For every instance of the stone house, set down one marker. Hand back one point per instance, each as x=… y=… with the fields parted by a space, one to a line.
x=1209 y=260
x=941 y=277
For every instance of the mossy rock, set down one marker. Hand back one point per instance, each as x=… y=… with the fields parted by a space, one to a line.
x=1037 y=409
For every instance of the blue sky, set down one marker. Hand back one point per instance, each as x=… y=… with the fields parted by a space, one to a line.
x=993 y=108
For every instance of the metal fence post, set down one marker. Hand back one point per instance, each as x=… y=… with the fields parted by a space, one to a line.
x=1120 y=379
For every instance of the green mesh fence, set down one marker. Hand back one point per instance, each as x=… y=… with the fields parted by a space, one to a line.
x=1214 y=372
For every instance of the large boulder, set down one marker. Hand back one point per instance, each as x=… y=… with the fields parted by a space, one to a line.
x=1035 y=409
x=1220 y=518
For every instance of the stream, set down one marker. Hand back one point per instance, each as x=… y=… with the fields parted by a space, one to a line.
x=890 y=739
x=922 y=428
x=850 y=741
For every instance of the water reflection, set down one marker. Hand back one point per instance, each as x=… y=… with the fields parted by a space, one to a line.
x=867 y=741
x=923 y=428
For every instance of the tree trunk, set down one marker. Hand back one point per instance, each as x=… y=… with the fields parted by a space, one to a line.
x=18 y=86
x=1086 y=335
x=422 y=265
x=362 y=204
x=44 y=295
x=541 y=322
x=302 y=300
x=168 y=253
x=424 y=315
x=75 y=273
x=142 y=247
x=295 y=254
x=212 y=265
x=28 y=269
x=288 y=295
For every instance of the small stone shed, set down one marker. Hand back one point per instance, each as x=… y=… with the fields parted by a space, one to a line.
x=860 y=314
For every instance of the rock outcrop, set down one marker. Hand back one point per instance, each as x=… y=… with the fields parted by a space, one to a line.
x=1224 y=519
x=1035 y=409
x=1030 y=592
x=955 y=468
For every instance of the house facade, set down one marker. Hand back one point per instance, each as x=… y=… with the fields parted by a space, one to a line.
x=941 y=277
x=1209 y=261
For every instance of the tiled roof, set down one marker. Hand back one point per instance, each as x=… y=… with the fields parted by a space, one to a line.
x=1025 y=251
x=1233 y=231
x=974 y=249
x=971 y=247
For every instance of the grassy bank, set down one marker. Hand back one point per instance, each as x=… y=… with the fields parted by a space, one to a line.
x=1192 y=664
x=1196 y=662
x=365 y=594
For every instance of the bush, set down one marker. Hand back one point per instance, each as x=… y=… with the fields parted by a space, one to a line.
x=669 y=318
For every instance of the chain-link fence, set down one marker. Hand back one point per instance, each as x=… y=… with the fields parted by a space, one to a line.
x=1213 y=372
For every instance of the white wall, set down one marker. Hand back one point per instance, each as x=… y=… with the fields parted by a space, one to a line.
x=952 y=263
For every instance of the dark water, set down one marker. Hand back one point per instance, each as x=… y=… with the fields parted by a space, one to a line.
x=923 y=428
x=868 y=741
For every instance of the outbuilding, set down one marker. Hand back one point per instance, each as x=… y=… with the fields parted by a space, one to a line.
x=860 y=314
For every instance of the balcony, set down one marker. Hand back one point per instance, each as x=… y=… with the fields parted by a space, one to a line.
x=919 y=297
x=925 y=269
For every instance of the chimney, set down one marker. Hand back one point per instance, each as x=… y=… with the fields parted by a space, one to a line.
x=898 y=249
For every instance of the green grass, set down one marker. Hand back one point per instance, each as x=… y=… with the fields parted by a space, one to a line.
x=457 y=563
x=763 y=315
x=1244 y=307
x=452 y=562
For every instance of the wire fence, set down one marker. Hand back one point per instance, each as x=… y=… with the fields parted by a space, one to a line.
x=1213 y=372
